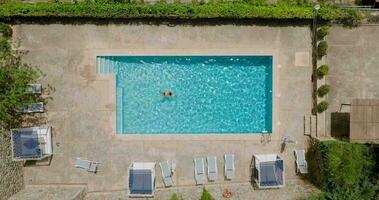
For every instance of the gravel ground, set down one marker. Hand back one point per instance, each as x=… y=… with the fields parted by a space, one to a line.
x=11 y=174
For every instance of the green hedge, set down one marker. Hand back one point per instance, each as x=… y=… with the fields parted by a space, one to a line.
x=343 y=170
x=231 y=10
x=348 y=170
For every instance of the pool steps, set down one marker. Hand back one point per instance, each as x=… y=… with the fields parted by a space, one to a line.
x=109 y=65
x=119 y=110
x=106 y=65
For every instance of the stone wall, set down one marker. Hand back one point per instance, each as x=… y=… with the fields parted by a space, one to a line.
x=11 y=173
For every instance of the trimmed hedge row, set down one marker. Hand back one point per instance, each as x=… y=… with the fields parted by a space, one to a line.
x=231 y=10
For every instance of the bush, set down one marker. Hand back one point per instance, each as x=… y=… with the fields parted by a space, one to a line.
x=322 y=71
x=5 y=47
x=322 y=48
x=322 y=32
x=5 y=30
x=206 y=195
x=323 y=90
x=14 y=77
x=347 y=170
x=351 y=18
x=343 y=170
x=224 y=10
x=320 y=196
x=322 y=106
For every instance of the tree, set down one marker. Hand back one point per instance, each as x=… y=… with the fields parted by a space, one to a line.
x=14 y=78
x=206 y=195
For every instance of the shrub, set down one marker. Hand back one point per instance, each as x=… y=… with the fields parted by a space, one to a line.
x=320 y=196
x=224 y=10
x=322 y=71
x=5 y=30
x=343 y=170
x=5 y=47
x=351 y=18
x=206 y=195
x=14 y=77
x=322 y=48
x=322 y=106
x=347 y=170
x=322 y=32
x=323 y=90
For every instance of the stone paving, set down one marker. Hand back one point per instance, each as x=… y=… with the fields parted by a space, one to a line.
x=50 y=193
x=295 y=189
x=82 y=107
x=11 y=173
x=353 y=65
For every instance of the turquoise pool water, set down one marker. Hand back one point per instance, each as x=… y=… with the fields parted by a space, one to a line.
x=212 y=94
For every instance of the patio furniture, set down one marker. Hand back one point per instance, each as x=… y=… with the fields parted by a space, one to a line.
x=268 y=171
x=166 y=173
x=301 y=163
x=34 y=88
x=230 y=171
x=199 y=171
x=32 y=108
x=173 y=167
x=141 y=177
x=32 y=143
x=90 y=166
x=212 y=168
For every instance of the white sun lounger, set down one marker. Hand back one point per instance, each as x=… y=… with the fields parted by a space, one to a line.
x=166 y=174
x=212 y=168
x=32 y=108
x=34 y=88
x=90 y=166
x=199 y=171
x=230 y=170
x=301 y=163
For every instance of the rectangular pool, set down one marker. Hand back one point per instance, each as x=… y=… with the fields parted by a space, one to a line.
x=210 y=94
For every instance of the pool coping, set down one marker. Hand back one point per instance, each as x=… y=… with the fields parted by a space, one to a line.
x=110 y=78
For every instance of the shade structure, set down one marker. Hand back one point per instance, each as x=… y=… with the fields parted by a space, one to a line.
x=141 y=179
x=268 y=171
x=32 y=143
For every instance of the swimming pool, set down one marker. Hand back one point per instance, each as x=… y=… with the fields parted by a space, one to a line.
x=210 y=94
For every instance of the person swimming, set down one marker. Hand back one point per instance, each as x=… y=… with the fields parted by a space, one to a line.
x=168 y=94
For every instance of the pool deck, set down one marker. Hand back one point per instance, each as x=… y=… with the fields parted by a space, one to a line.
x=82 y=109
